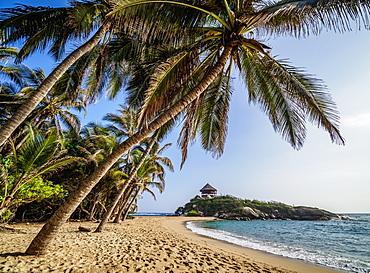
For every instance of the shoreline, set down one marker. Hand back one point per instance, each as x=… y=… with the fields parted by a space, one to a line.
x=148 y=244
x=258 y=255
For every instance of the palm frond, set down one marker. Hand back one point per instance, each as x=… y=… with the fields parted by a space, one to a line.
x=36 y=150
x=189 y=129
x=214 y=117
x=164 y=78
x=39 y=26
x=70 y=84
x=16 y=73
x=287 y=96
x=301 y=18
x=167 y=22
x=166 y=162
x=88 y=14
x=52 y=166
x=7 y=53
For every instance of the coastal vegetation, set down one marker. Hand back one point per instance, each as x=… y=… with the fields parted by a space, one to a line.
x=175 y=67
x=232 y=208
x=47 y=157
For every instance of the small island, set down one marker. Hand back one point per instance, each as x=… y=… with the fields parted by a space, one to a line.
x=232 y=208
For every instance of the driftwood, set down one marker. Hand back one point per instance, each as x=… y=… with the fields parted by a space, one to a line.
x=6 y=228
x=84 y=229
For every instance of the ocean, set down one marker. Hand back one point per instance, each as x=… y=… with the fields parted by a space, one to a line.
x=340 y=244
x=153 y=214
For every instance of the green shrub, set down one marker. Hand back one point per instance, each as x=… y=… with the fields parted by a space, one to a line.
x=192 y=213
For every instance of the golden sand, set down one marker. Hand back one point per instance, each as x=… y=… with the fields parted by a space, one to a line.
x=145 y=244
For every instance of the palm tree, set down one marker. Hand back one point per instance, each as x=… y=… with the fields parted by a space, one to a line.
x=21 y=172
x=51 y=112
x=155 y=161
x=149 y=170
x=96 y=143
x=287 y=95
x=123 y=125
x=52 y=109
x=42 y=26
x=123 y=188
x=9 y=100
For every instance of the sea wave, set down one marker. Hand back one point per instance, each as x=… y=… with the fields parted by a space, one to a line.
x=314 y=256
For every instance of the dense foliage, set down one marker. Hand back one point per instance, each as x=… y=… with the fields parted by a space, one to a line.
x=50 y=154
x=232 y=208
x=227 y=204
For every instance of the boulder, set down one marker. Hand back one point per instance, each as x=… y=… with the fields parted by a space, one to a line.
x=251 y=213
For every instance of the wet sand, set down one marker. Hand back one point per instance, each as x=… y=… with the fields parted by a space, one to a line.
x=144 y=244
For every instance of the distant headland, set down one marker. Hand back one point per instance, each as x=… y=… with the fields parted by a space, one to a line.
x=233 y=208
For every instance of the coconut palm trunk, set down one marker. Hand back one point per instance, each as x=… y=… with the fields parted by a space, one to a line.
x=36 y=97
x=131 y=203
x=50 y=229
x=125 y=200
x=118 y=196
x=5 y=204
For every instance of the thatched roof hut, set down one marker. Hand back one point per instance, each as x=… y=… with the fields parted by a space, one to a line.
x=208 y=191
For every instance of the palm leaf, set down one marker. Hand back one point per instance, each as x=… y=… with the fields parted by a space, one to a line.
x=287 y=95
x=36 y=151
x=164 y=78
x=301 y=18
x=39 y=26
x=157 y=21
x=54 y=165
x=7 y=53
x=189 y=129
x=214 y=116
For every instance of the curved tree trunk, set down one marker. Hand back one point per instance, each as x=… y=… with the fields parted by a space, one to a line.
x=52 y=226
x=118 y=196
x=96 y=200
x=36 y=97
x=126 y=198
x=130 y=205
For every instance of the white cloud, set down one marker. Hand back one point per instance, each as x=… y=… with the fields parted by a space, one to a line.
x=360 y=120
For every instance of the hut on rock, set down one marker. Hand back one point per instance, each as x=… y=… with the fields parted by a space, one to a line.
x=208 y=191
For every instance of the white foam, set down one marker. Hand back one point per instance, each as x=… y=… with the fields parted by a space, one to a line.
x=317 y=257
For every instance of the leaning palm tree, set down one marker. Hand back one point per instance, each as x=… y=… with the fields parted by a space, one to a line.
x=124 y=125
x=145 y=176
x=153 y=151
x=91 y=22
x=232 y=37
x=95 y=143
x=52 y=111
x=54 y=108
x=124 y=186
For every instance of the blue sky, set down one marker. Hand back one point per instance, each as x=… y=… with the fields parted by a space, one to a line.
x=257 y=162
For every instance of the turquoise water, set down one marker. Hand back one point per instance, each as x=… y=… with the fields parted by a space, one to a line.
x=339 y=244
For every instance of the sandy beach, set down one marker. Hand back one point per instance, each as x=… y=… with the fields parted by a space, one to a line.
x=144 y=244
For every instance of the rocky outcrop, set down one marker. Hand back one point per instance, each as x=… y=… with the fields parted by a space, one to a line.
x=232 y=208
x=293 y=213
